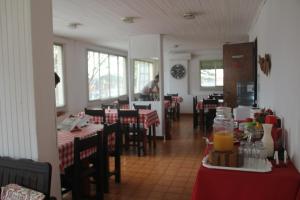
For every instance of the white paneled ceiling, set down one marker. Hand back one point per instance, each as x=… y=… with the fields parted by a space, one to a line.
x=216 y=22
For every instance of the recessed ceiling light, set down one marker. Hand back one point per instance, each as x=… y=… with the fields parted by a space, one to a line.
x=189 y=15
x=128 y=20
x=75 y=25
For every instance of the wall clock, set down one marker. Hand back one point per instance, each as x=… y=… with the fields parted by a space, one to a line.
x=178 y=71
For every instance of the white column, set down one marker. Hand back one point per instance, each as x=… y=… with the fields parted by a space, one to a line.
x=27 y=101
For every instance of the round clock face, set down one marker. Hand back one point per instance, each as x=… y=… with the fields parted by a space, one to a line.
x=178 y=71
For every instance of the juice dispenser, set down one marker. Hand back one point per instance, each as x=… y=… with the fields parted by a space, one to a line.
x=223 y=130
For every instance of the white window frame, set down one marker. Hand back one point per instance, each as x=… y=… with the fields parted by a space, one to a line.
x=64 y=107
x=87 y=75
x=211 y=88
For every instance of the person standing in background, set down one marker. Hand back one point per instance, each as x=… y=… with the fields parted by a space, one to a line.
x=151 y=89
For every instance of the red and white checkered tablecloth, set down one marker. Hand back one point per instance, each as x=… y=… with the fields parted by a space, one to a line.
x=147 y=117
x=65 y=140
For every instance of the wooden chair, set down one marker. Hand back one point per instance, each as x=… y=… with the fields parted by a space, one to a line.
x=176 y=108
x=27 y=173
x=96 y=113
x=171 y=110
x=108 y=105
x=209 y=106
x=145 y=107
x=114 y=150
x=123 y=103
x=135 y=135
x=173 y=95
x=75 y=177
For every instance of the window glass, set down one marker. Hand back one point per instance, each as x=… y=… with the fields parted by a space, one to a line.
x=211 y=72
x=144 y=73
x=58 y=68
x=219 y=77
x=208 y=78
x=114 y=76
x=107 y=75
x=93 y=75
x=122 y=76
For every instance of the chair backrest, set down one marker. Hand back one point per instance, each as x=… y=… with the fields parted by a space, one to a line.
x=168 y=98
x=108 y=130
x=93 y=144
x=195 y=101
x=132 y=114
x=108 y=105
x=123 y=101
x=27 y=173
x=112 y=149
x=174 y=95
x=210 y=101
x=111 y=128
x=86 y=143
x=146 y=107
x=96 y=113
x=216 y=96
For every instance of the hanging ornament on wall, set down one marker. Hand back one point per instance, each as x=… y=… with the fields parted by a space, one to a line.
x=265 y=64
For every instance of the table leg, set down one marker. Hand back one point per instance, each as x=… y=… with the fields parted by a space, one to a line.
x=167 y=125
x=150 y=137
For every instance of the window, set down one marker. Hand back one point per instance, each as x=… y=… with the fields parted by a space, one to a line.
x=106 y=75
x=59 y=69
x=211 y=72
x=143 y=74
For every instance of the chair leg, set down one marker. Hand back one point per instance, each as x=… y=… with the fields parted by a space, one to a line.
x=99 y=187
x=106 y=173
x=144 y=137
x=76 y=190
x=150 y=137
x=126 y=141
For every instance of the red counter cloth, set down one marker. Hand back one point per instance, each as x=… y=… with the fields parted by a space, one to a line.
x=280 y=184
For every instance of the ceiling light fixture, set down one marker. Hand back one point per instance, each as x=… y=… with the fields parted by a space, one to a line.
x=74 y=25
x=189 y=15
x=128 y=20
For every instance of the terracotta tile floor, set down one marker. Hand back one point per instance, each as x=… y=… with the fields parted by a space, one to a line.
x=168 y=172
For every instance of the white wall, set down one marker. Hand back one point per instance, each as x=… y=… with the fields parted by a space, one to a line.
x=188 y=86
x=27 y=102
x=278 y=30
x=75 y=55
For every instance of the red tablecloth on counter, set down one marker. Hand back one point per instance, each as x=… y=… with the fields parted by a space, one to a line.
x=280 y=184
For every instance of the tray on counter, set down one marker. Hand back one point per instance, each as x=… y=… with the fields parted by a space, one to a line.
x=267 y=167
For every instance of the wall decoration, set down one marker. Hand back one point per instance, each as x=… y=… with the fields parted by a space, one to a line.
x=265 y=64
x=178 y=71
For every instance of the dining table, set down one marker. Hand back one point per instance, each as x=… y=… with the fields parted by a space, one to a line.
x=200 y=108
x=282 y=183
x=148 y=118
x=65 y=141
